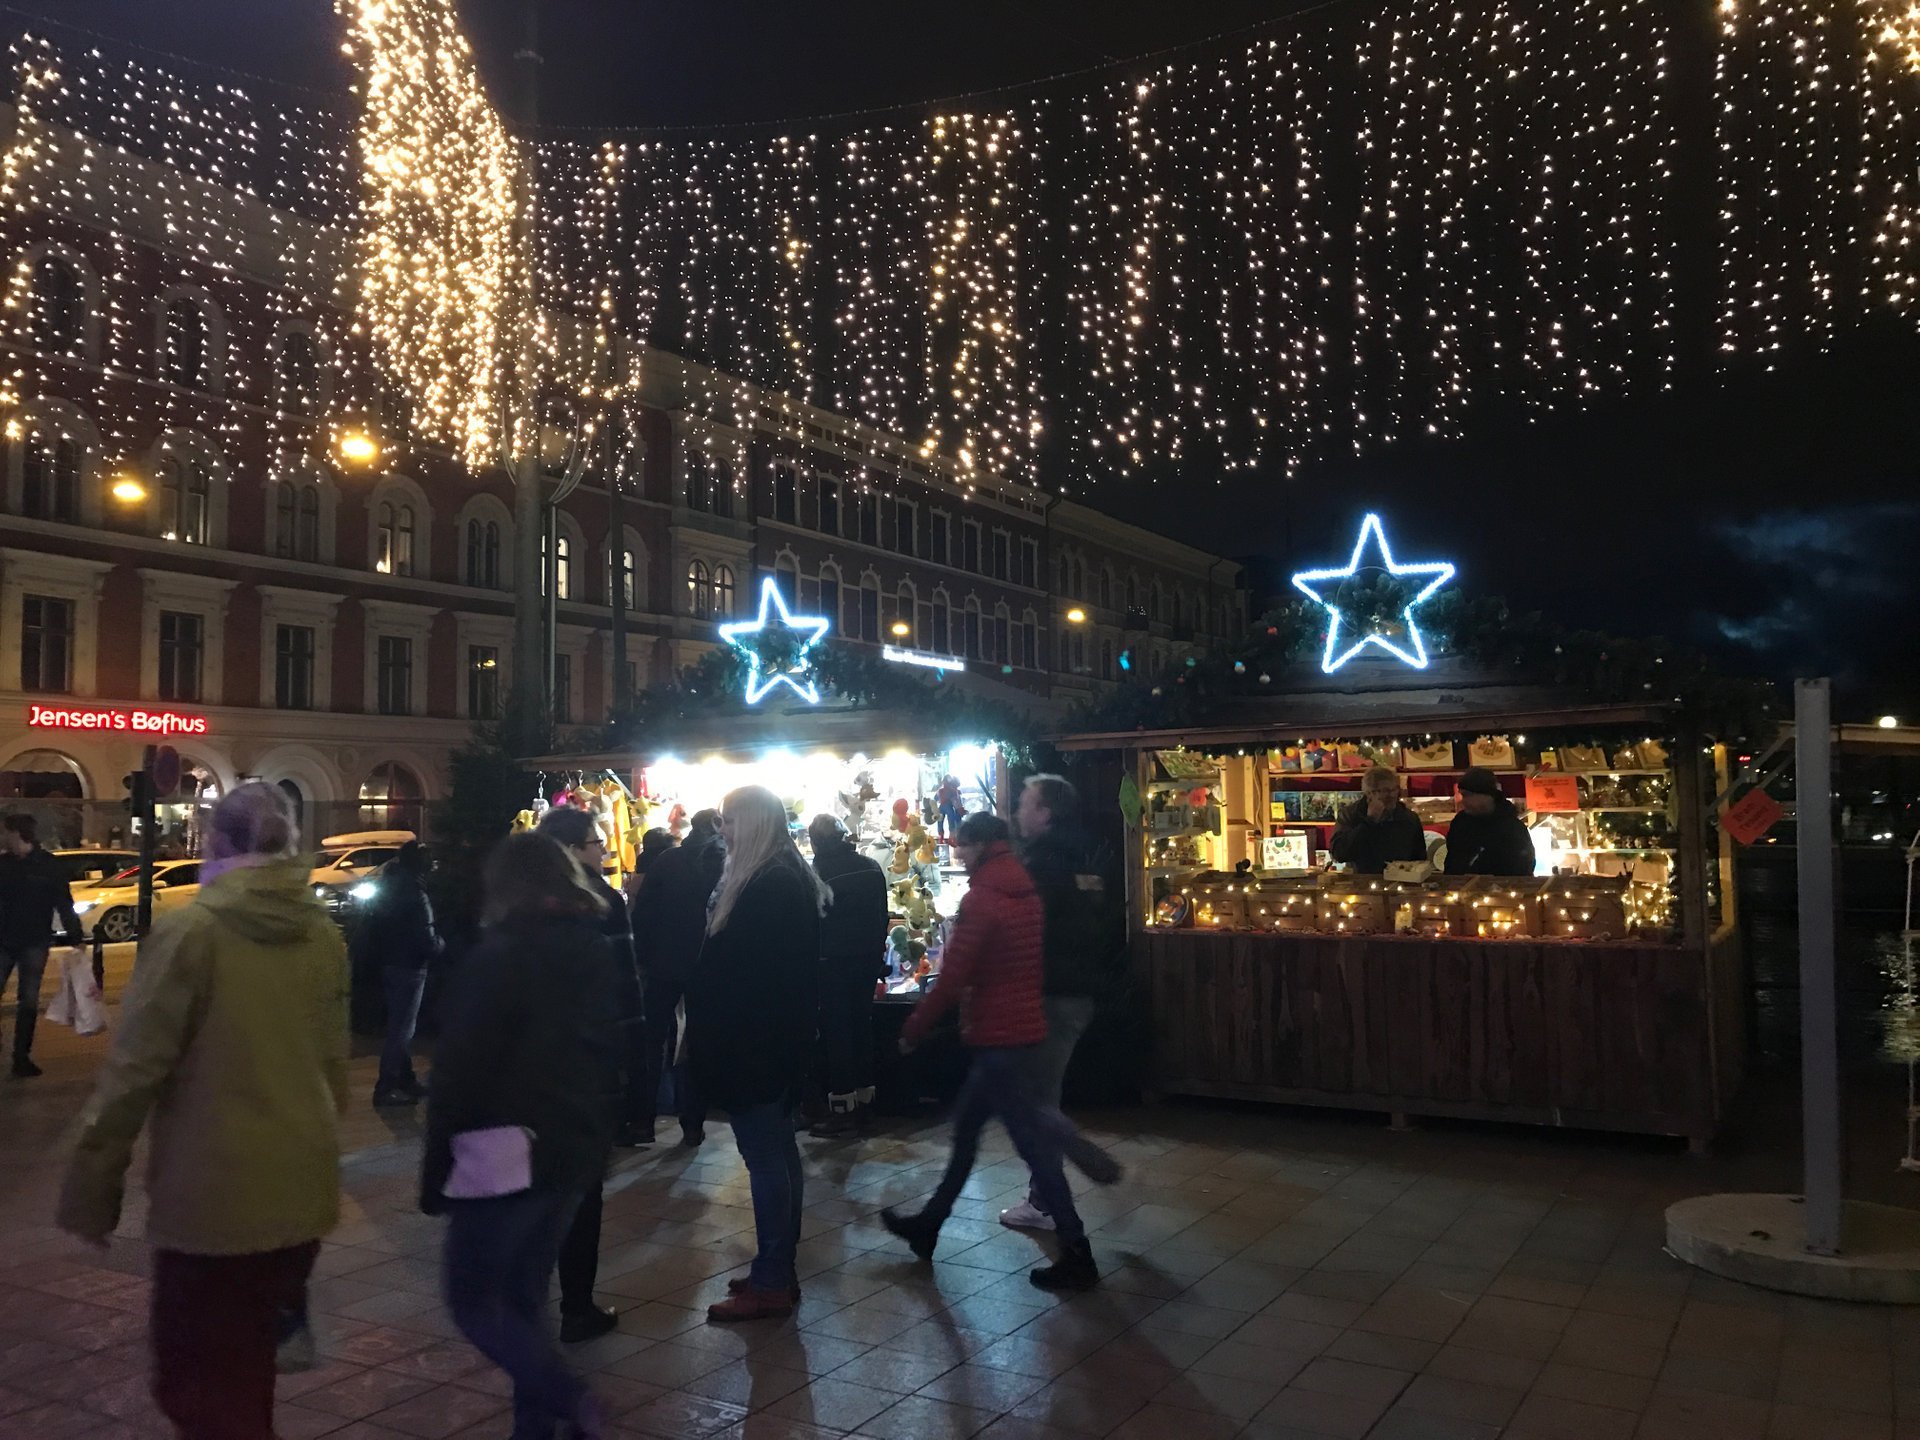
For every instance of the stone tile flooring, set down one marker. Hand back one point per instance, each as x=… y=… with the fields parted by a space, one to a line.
x=1269 y=1274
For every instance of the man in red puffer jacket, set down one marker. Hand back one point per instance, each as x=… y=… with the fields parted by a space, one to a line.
x=993 y=969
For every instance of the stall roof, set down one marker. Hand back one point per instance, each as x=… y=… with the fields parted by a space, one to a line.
x=803 y=728
x=1364 y=715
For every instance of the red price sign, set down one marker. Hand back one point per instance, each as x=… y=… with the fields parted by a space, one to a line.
x=1553 y=794
x=1751 y=816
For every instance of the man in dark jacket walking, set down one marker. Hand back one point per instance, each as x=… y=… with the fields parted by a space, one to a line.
x=1377 y=829
x=33 y=891
x=1487 y=837
x=398 y=938
x=669 y=927
x=992 y=969
x=1082 y=940
x=852 y=958
x=581 y=1317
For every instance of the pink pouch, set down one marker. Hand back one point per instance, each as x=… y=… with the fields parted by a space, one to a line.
x=490 y=1163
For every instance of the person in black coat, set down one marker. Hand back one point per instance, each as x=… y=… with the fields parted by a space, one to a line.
x=853 y=944
x=581 y=1318
x=752 y=999
x=1377 y=829
x=1487 y=837
x=669 y=927
x=531 y=1042
x=33 y=893
x=397 y=937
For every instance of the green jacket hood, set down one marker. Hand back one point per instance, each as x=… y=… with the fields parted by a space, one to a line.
x=270 y=903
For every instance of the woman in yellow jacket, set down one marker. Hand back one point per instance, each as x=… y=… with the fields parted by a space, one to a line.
x=234 y=1039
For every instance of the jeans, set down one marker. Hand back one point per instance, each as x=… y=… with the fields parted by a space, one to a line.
x=662 y=1029
x=215 y=1328
x=846 y=1025
x=580 y=1255
x=32 y=965
x=767 y=1143
x=403 y=990
x=1006 y=1083
x=1068 y=1017
x=499 y=1259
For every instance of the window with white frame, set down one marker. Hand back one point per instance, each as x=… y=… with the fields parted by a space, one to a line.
x=1029 y=562
x=299 y=374
x=46 y=644
x=906 y=519
x=829 y=505
x=483 y=553
x=1002 y=635
x=182 y=654
x=870 y=607
x=188 y=344
x=59 y=320
x=50 y=470
x=483 y=682
x=294 y=649
x=393 y=675
x=699 y=590
x=938 y=545
x=296 y=520
x=970 y=546
x=829 y=604
x=940 y=636
x=723 y=596
x=394 y=524
x=185 y=499
x=972 y=637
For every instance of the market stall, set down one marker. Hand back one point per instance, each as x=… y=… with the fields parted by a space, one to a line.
x=1602 y=990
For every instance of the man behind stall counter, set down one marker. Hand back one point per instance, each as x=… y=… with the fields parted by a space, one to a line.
x=1376 y=830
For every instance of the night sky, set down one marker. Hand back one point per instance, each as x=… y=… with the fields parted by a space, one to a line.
x=1773 y=518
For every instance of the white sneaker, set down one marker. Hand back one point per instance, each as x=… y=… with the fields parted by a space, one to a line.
x=1026 y=1216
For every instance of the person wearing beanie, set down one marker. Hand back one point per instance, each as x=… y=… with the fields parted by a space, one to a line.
x=1487 y=837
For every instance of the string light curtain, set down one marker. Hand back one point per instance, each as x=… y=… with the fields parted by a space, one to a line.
x=1376 y=223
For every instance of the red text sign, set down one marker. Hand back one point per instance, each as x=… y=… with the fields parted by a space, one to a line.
x=1751 y=816
x=140 y=722
x=1553 y=794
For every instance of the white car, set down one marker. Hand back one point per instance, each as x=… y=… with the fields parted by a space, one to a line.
x=345 y=868
x=111 y=907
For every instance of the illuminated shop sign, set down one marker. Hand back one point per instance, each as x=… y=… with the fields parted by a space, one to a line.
x=134 y=722
x=923 y=659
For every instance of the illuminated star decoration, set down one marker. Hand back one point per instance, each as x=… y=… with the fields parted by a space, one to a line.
x=1312 y=583
x=797 y=678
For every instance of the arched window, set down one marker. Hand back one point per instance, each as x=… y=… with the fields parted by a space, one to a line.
x=722 y=491
x=59 y=319
x=904 y=615
x=971 y=636
x=392 y=798
x=483 y=553
x=830 y=594
x=699 y=591
x=186 y=345
x=299 y=381
x=563 y=567
x=870 y=607
x=627 y=572
x=186 y=506
x=786 y=574
x=723 y=596
x=296 y=527
x=50 y=477
x=940 y=637
x=1003 y=636
x=393 y=538
x=1106 y=660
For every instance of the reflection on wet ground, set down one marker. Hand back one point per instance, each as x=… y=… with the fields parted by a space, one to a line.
x=1879 y=1021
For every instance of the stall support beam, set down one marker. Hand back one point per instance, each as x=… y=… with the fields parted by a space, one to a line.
x=1819 y=1026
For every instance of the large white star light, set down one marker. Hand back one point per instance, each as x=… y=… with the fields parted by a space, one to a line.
x=1321 y=586
x=798 y=679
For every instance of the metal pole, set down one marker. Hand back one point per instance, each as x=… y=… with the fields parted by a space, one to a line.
x=524 y=469
x=616 y=522
x=550 y=629
x=143 y=807
x=1819 y=1025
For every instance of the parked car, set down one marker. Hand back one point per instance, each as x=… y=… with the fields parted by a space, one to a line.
x=348 y=863
x=111 y=907
x=87 y=865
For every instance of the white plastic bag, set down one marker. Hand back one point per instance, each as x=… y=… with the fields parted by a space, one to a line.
x=76 y=979
x=59 y=1010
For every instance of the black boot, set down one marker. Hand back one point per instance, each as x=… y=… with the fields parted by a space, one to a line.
x=920 y=1233
x=1074 y=1270
x=587 y=1322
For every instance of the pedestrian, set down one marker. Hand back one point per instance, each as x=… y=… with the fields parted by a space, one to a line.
x=653 y=844
x=752 y=1000
x=1376 y=830
x=518 y=1124
x=33 y=893
x=669 y=927
x=581 y=1317
x=853 y=950
x=1488 y=837
x=234 y=1040
x=1082 y=938
x=993 y=969
x=397 y=937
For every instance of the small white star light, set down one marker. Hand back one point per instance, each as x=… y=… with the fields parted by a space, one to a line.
x=1323 y=587
x=813 y=630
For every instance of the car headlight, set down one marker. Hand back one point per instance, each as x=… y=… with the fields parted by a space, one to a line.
x=365 y=890
x=80 y=907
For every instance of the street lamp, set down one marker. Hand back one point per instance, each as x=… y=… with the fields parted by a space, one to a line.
x=358 y=447
x=1889 y=722
x=128 y=489
x=901 y=629
x=1076 y=616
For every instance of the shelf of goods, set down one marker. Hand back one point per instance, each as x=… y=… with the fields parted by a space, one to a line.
x=1603 y=991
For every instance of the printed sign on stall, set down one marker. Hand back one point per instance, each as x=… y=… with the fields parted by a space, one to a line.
x=1553 y=794
x=1751 y=816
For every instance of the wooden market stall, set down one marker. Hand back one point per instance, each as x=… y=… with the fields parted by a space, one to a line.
x=1604 y=992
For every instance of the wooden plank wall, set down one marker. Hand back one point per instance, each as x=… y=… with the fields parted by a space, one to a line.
x=1609 y=1036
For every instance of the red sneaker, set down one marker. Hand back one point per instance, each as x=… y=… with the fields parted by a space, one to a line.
x=751 y=1304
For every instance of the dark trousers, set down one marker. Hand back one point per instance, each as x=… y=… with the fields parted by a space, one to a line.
x=846 y=1024
x=662 y=998
x=765 y=1136
x=1006 y=1083
x=580 y=1254
x=403 y=990
x=216 y=1321
x=32 y=965
x=499 y=1259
